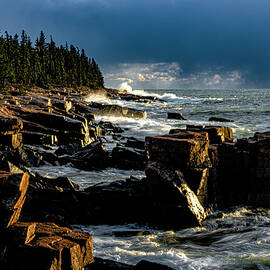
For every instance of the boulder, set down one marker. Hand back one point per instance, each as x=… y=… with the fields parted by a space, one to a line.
x=262 y=135
x=8 y=166
x=104 y=264
x=66 y=128
x=109 y=128
x=9 y=125
x=68 y=149
x=176 y=115
x=178 y=153
x=10 y=128
x=63 y=105
x=135 y=143
x=143 y=265
x=128 y=158
x=179 y=205
x=25 y=157
x=46 y=246
x=119 y=202
x=217 y=134
x=90 y=157
x=37 y=138
x=240 y=173
x=187 y=134
x=219 y=119
x=10 y=141
x=118 y=111
x=51 y=200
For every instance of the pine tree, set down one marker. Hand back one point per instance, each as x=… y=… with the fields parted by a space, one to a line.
x=45 y=63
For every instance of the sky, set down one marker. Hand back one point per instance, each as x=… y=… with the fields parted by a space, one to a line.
x=151 y=44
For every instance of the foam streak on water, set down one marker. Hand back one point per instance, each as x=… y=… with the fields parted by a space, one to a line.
x=240 y=240
x=248 y=108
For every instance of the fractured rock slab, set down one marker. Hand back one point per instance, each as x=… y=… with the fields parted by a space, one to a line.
x=13 y=189
x=46 y=246
x=169 y=188
x=178 y=153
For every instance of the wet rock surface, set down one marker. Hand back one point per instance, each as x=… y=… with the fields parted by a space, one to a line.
x=45 y=246
x=175 y=115
x=219 y=119
x=187 y=171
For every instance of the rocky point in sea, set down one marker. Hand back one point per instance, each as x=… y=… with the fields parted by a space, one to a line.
x=189 y=172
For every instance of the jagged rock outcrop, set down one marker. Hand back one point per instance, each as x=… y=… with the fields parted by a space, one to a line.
x=238 y=172
x=13 y=189
x=186 y=151
x=178 y=204
x=45 y=246
x=10 y=130
x=32 y=245
x=241 y=172
x=90 y=157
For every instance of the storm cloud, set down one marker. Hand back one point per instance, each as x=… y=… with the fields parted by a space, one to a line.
x=158 y=43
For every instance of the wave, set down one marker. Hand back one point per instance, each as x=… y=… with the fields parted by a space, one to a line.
x=139 y=127
x=101 y=97
x=168 y=97
x=237 y=240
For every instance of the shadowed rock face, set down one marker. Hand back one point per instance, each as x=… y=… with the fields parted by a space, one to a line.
x=185 y=151
x=176 y=115
x=10 y=130
x=219 y=119
x=13 y=189
x=168 y=187
x=37 y=245
x=46 y=246
x=241 y=172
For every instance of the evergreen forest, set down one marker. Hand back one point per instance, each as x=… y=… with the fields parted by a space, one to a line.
x=44 y=64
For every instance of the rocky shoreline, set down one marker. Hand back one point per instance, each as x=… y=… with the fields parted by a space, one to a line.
x=189 y=173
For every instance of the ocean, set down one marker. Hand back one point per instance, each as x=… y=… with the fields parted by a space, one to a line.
x=237 y=239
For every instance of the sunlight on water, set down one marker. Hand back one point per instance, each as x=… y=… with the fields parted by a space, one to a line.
x=244 y=245
x=240 y=239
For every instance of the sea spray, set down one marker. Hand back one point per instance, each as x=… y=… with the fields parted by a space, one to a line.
x=238 y=239
x=125 y=87
x=97 y=97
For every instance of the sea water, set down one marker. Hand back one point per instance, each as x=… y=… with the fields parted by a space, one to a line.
x=237 y=239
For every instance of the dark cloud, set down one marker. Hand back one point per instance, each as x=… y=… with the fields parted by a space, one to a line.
x=201 y=36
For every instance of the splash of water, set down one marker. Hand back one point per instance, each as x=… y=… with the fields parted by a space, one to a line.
x=125 y=86
x=97 y=98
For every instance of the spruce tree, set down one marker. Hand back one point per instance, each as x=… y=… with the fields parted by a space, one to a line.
x=45 y=64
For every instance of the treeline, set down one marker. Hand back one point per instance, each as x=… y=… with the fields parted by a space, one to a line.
x=45 y=64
